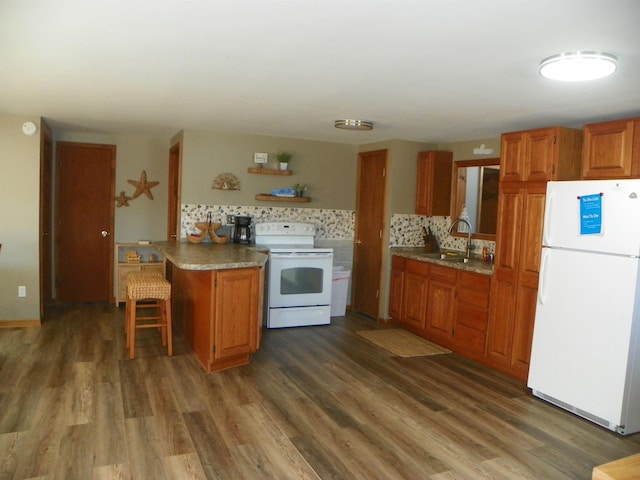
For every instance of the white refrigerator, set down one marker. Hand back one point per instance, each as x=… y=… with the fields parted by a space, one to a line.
x=585 y=355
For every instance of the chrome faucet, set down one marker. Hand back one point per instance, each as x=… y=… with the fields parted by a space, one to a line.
x=468 y=253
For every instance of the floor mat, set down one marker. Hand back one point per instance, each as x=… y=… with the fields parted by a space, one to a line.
x=402 y=343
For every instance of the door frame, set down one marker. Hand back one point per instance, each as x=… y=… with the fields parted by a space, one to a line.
x=381 y=194
x=46 y=219
x=174 y=195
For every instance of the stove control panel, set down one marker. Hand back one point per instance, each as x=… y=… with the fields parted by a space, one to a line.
x=285 y=229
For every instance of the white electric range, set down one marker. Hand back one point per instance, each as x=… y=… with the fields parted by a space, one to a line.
x=299 y=275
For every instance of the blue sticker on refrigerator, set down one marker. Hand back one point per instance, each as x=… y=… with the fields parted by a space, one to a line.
x=591 y=214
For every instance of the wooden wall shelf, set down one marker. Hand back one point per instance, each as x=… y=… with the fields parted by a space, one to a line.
x=269 y=171
x=264 y=197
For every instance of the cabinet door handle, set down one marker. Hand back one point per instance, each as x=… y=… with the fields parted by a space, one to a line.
x=104 y=233
x=358 y=242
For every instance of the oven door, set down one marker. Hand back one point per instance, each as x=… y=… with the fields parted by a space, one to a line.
x=298 y=279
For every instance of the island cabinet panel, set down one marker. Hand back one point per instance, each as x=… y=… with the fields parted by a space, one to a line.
x=192 y=308
x=611 y=150
x=219 y=313
x=233 y=337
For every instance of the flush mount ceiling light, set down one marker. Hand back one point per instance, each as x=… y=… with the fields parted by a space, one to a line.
x=354 y=124
x=578 y=66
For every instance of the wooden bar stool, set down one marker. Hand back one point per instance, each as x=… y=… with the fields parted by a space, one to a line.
x=155 y=291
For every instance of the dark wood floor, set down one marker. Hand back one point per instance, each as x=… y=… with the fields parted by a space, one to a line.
x=316 y=402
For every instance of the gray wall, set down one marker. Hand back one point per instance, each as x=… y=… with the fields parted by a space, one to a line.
x=19 y=218
x=464 y=150
x=143 y=218
x=328 y=169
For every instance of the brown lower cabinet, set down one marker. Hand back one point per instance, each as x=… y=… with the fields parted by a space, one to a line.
x=472 y=313
x=441 y=298
x=415 y=293
x=219 y=313
x=516 y=272
x=442 y=304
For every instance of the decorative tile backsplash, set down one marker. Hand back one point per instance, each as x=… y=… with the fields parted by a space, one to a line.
x=330 y=224
x=405 y=229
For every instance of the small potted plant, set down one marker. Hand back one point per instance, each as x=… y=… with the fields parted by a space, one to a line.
x=283 y=158
x=300 y=189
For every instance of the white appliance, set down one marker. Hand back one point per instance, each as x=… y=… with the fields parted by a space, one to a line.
x=585 y=355
x=299 y=275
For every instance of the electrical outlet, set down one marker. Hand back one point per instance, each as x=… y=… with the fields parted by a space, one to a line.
x=22 y=291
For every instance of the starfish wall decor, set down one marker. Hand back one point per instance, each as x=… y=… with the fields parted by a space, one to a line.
x=123 y=200
x=142 y=186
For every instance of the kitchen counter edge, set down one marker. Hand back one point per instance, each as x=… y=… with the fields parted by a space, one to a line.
x=210 y=256
x=418 y=253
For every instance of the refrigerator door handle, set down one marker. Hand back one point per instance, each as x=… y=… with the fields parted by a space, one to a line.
x=546 y=232
x=542 y=291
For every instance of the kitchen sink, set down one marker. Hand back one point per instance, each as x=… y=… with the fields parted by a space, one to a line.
x=453 y=257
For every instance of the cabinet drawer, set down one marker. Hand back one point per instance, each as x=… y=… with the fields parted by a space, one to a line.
x=474 y=281
x=469 y=338
x=417 y=267
x=443 y=274
x=474 y=297
x=471 y=317
x=473 y=288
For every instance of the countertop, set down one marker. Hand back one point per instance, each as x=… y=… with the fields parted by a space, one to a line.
x=418 y=253
x=210 y=256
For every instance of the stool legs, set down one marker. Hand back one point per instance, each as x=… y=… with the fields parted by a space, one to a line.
x=163 y=322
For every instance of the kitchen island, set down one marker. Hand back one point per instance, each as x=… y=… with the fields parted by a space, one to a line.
x=217 y=292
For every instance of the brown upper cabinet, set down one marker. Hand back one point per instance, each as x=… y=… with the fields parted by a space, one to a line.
x=611 y=150
x=433 y=192
x=541 y=155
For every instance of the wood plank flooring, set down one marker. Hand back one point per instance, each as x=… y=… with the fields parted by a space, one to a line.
x=316 y=402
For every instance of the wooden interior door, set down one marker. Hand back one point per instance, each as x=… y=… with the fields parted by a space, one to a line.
x=85 y=192
x=367 y=258
x=173 y=219
x=46 y=191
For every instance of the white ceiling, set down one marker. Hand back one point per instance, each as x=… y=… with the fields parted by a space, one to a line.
x=424 y=70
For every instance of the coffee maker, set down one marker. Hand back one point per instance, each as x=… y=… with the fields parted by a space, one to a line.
x=242 y=230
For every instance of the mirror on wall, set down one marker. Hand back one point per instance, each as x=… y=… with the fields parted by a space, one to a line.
x=475 y=187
